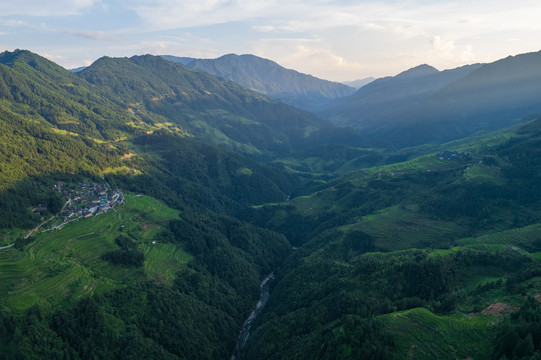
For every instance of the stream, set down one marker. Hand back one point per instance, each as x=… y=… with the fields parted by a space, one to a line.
x=245 y=332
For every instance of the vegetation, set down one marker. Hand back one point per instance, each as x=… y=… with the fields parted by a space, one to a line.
x=357 y=233
x=267 y=77
x=127 y=255
x=430 y=252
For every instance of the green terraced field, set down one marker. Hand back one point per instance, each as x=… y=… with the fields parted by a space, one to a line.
x=524 y=237
x=483 y=174
x=423 y=163
x=398 y=228
x=162 y=261
x=64 y=265
x=423 y=335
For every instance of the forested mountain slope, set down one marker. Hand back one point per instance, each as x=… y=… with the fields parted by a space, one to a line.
x=435 y=256
x=206 y=107
x=266 y=76
x=424 y=258
x=55 y=123
x=168 y=274
x=39 y=89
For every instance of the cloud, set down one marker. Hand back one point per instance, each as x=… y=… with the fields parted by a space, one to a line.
x=40 y=8
x=93 y=35
x=373 y=26
x=11 y=23
x=53 y=57
x=308 y=56
x=324 y=37
x=264 y=28
x=168 y=14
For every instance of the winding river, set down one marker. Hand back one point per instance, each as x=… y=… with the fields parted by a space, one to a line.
x=245 y=332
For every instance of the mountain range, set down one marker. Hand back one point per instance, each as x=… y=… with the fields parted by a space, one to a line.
x=266 y=76
x=423 y=105
x=374 y=236
x=359 y=83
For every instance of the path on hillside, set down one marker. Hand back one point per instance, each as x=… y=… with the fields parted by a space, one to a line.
x=49 y=219
x=6 y=247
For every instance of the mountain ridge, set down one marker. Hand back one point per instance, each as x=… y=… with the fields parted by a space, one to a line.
x=270 y=78
x=411 y=109
x=411 y=258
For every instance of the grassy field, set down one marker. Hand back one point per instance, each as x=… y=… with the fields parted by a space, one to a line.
x=422 y=335
x=399 y=228
x=483 y=174
x=424 y=163
x=524 y=237
x=64 y=265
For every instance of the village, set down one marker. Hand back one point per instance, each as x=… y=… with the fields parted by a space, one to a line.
x=454 y=155
x=85 y=200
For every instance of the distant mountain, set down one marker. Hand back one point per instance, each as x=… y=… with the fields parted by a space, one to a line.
x=384 y=102
x=359 y=83
x=266 y=76
x=423 y=105
x=177 y=59
x=495 y=95
x=80 y=68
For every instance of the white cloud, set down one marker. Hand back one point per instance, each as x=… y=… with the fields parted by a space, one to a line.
x=167 y=14
x=446 y=51
x=307 y=56
x=373 y=26
x=334 y=39
x=40 y=8
x=264 y=28
x=53 y=57
x=93 y=35
x=11 y=23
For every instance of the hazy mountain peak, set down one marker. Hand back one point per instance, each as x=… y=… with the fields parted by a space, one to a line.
x=417 y=71
x=270 y=78
x=359 y=83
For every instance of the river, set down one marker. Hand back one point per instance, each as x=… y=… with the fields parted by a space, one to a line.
x=245 y=332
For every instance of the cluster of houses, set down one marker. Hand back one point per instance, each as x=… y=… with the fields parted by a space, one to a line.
x=454 y=155
x=90 y=199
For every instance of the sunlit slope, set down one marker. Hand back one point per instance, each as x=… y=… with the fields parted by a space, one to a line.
x=64 y=265
x=209 y=108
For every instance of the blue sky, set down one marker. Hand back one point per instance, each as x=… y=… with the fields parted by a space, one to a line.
x=336 y=40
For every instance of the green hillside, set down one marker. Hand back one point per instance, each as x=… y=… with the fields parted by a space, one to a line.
x=169 y=247
x=143 y=202
x=204 y=106
x=63 y=272
x=422 y=259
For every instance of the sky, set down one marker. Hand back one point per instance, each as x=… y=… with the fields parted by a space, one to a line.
x=337 y=40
